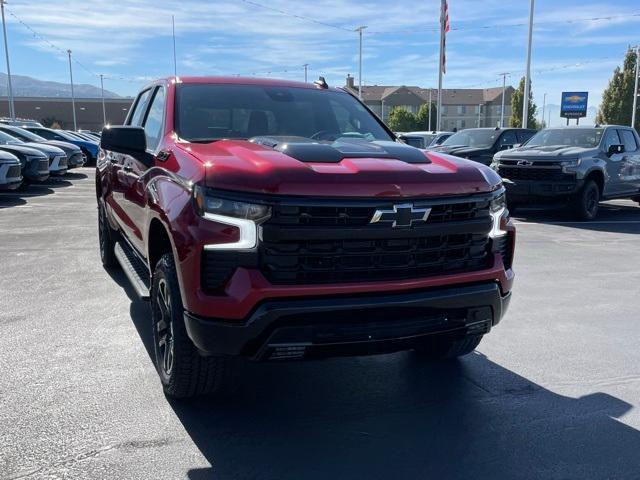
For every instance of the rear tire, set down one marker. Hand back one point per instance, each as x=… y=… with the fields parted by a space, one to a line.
x=447 y=348
x=183 y=372
x=586 y=202
x=107 y=238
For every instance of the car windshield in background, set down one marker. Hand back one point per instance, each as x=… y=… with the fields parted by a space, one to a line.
x=24 y=135
x=6 y=139
x=574 y=137
x=473 y=138
x=208 y=112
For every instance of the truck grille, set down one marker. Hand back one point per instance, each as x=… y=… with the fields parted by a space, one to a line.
x=330 y=243
x=533 y=173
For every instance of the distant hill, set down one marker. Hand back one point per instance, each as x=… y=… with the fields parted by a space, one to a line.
x=30 y=87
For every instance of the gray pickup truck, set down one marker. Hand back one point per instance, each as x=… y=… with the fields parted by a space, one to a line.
x=575 y=166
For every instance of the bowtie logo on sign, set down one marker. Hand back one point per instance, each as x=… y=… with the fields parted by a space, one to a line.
x=403 y=215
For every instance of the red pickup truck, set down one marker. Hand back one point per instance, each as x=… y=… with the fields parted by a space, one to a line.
x=277 y=220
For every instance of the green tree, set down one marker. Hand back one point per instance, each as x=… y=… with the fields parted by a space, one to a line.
x=617 y=99
x=401 y=120
x=516 y=107
x=422 y=117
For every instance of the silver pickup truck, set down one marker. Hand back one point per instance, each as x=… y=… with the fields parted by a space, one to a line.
x=578 y=166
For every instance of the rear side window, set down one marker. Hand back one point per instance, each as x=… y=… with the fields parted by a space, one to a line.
x=628 y=140
x=524 y=135
x=508 y=138
x=139 y=108
x=153 y=123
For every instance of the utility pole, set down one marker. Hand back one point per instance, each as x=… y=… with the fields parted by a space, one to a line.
x=504 y=89
x=635 y=88
x=359 y=30
x=527 y=78
x=479 y=113
x=429 y=126
x=73 y=98
x=12 y=108
x=544 y=103
x=104 y=110
x=441 y=63
x=173 y=33
x=306 y=65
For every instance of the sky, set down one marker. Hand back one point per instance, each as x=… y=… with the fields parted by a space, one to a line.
x=130 y=41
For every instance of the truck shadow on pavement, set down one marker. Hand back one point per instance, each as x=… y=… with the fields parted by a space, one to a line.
x=398 y=417
x=612 y=217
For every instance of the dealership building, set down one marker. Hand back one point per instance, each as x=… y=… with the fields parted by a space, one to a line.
x=59 y=109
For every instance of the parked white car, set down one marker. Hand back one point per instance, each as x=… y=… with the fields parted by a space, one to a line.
x=424 y=139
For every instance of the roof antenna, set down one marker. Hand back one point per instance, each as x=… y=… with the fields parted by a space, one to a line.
x=321 y=82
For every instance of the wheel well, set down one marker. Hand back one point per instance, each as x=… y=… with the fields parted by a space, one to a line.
x=159 y=243
x=597 y=177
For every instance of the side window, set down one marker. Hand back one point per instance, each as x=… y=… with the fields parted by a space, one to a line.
x=153 y=123
x=508 y=138
x=628 y=140
x=137 y=114
x=611 y=138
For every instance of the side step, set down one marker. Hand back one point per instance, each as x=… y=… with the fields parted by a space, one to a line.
x=134 y=269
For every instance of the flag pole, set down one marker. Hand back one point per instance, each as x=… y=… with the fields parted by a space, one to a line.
x=440 y=65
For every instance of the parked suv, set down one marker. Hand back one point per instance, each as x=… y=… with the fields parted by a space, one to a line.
x=481 y=144
x=278 y=220
x=56 y=156
x=10 y=171
x=75 y=157
x=578 y=166
x=89 y=148
x=34 y=163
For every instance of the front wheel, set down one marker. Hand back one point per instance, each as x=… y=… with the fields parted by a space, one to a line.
x=107 y=238
x=183 y=371
x=587 y=201
x=447 y=348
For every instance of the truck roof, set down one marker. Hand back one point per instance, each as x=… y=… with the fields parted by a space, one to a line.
x=233 y=80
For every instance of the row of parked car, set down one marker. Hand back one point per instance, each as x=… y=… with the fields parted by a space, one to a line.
x=576 y=166
x=30 y=152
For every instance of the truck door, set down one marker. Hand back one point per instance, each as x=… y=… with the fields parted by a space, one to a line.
x=614 y=185
x=122 y=175
x=631 y=160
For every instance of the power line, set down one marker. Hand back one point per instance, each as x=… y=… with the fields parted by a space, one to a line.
x=295 y=15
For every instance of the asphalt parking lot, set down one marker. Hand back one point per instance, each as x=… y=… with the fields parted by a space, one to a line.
x=552 y=393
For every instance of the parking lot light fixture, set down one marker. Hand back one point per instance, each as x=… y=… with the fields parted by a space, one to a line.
x=359 y=30
x=527 y=78
x=12 y=108
x=104 y=111
x=73 y=99
x=634 y=108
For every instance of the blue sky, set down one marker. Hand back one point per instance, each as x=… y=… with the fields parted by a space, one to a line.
x=129 y=41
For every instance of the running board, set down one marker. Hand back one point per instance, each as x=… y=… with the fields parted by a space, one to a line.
x=134 y=269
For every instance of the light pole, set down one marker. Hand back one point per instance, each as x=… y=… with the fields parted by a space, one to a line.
x=12 y=108
x=504 y=89
x=306 y=65
x=104 y=110
x=635 y=89
x=544 y=104
x=173 y=34
x=73 y=98
x=479 y=113
x=359 y=30
x=527 y=78
x=429 y=126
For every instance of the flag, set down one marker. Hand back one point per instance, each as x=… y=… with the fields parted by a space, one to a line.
x=444 y=26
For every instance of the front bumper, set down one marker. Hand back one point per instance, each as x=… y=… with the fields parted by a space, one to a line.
x=77 y=160
x=10 y=176
x=58 y=165
x=524 y=190
x=351 y=325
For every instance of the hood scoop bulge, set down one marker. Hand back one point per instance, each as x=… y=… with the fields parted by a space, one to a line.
x=311 y=151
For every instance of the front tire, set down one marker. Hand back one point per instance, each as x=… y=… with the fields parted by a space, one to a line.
x=183 y=372
x=447 y=348
x=587 y=201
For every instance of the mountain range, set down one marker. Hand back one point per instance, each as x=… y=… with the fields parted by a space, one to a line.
x=24 y=86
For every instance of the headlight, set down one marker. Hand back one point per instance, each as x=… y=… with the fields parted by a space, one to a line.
x=245 y=216
x=571 y=163
x=498 y=210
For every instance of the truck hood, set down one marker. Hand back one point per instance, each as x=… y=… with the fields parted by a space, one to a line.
x=253 y=167
x=50 y=150
x=66 y=146
x=547 y=152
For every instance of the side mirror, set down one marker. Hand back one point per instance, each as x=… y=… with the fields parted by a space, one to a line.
x=128 y=140
x=613 y=149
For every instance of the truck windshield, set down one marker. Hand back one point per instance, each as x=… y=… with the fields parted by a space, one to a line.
x=574 y=137
x=473 y=138
x=209 y=112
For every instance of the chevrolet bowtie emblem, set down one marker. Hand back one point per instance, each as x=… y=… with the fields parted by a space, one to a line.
x=403 y=215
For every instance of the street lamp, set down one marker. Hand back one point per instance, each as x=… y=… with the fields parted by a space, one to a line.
x=73 y=98
x=544 y=103
x=527 y=78
x=359 y=30
x=104 y=110
x=504 y=88
x=12 y=108
x=635 y=89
